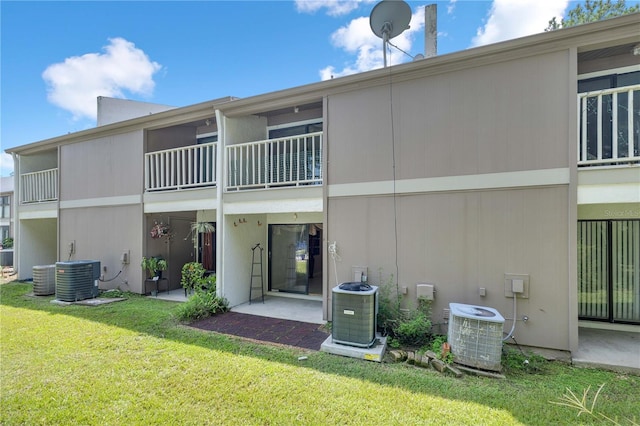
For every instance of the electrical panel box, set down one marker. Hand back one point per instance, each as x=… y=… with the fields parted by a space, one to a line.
x=425 y=290
x=517 y=284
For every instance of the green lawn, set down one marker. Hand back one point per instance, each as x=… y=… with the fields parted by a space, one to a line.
x=130 y=362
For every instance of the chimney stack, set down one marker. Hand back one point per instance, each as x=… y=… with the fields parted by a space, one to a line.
x=430 y=30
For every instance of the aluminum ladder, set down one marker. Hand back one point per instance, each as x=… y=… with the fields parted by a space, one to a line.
x=256 y=274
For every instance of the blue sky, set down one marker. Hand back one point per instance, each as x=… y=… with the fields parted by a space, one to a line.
x=57 y=57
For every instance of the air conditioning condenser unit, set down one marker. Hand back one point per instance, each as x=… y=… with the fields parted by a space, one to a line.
x=354 y=309
x=475 y=336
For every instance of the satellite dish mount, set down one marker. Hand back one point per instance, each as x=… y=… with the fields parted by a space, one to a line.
x=389 y=19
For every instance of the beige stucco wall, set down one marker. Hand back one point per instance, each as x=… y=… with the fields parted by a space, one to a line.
x=506 y=121
x=170 y=137
x=111 y=110
x=105 y=167
x=103 y=233
x=462 y=242
x=101 y=184
x=497 y=118
x=37 y=245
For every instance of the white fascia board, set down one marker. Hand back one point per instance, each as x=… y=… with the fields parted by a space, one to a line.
x=505 y=180
x=38 y=214
x=279 y=206
x=609 y=194
x=180 y=206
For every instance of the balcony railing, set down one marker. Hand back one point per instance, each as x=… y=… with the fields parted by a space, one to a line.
x=609 y=130
x=289 y=161
x=181 y=168
x=39 y=187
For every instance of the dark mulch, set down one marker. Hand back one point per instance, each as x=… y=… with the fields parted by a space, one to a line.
x=274 y=330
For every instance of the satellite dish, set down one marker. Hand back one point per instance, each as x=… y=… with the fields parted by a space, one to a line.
x=389 y=19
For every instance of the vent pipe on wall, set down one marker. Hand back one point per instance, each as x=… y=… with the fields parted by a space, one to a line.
x=431 y=30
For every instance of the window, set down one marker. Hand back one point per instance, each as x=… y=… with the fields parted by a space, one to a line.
x=5 y=206
x=295 y=129
x=4 y=232
x=208 y=138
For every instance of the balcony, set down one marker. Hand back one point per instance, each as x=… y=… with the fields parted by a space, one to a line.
x=283 y=162
x=609 y=128
x=181 y=168
x=39 y=187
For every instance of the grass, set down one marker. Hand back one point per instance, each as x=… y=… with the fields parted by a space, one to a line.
x=131 y=362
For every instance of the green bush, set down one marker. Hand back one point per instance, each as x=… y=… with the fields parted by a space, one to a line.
x=7 y=243
x=388 y=307
x=208 y=283
x=412 y=328
x=202 y=304
x=192 y=273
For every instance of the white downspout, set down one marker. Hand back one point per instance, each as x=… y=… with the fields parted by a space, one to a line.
x=221 y=160
x=14 y=213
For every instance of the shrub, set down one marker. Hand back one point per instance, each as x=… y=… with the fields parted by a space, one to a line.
x=208 y=283
x=202 y=304
x=7 y=243
x=412 y=328
x=388 y=307
x=192 y=273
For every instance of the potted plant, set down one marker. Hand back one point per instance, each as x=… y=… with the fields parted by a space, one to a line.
x=192 y=273
x=154 y=266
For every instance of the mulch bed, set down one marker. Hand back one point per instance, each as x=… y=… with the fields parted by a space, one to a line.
x=293 y=333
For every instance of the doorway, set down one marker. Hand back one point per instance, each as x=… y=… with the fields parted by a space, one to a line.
x=609 y=270
x=295 y=258
x=206 y=245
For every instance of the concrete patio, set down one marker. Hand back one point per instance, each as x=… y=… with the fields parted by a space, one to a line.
x=617 y=350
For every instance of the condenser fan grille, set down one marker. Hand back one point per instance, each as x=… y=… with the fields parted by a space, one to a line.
x=476 y=341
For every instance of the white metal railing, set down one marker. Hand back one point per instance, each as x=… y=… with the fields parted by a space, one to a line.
x=38 y=187
x=609 y=126
x=180 y=168
x=288 y=161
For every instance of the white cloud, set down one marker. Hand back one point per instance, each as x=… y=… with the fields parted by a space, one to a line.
x=358 y=39
x=6 y=164
x=451 y=6
x=75 y=83
x=508 y=19
x=333 y=7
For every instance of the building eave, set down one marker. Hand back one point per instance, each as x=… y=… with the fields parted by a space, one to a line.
x=171 y=117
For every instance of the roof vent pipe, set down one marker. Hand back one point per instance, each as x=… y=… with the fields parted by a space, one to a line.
x=431 y=30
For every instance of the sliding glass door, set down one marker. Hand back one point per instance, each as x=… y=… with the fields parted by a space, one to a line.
x=609 y=270
x=289 y=258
